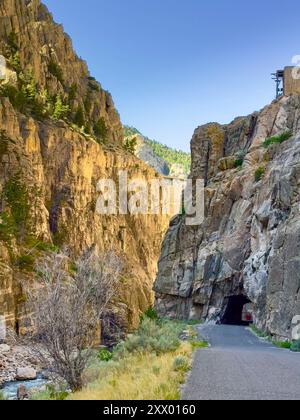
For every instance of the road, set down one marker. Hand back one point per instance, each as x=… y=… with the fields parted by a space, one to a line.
x=240 y=366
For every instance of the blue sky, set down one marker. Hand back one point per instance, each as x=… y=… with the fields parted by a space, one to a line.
x=172 y=65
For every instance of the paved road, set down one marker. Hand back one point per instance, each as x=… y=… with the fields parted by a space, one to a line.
x=239 y=366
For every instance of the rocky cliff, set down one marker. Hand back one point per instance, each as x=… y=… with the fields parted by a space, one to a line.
x=249 y=242
x=59 y=134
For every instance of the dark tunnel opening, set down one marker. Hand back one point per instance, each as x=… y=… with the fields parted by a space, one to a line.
x=238 y=311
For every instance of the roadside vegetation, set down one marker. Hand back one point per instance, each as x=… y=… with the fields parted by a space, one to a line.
x=287 y=344
x=151 y=364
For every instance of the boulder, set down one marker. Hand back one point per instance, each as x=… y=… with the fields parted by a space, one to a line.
x=24 y=374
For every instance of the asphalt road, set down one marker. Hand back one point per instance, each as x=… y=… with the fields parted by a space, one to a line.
x=239 y=366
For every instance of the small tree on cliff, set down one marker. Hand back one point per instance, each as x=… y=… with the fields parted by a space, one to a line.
x=69 y=307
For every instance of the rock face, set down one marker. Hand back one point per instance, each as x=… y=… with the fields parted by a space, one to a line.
x=249 y=242
x=146 y=154
x=49 y=170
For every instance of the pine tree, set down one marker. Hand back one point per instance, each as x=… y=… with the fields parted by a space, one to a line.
x=60 y=110
x=79 y=119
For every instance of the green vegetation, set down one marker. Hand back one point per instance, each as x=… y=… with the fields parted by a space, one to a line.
x=151 y=364
x=130 y=145
x=105 y=355
x=79 y=118
x=199 y=345
x=171 y=156
x=181 y=364
x=100 y=130
x=259 y=333
x=2 y=398
x=240 y=157
x=156 y=337
x=259 y=173
x=56 y=71
x=295 y=346
x=16 y=196
x=282 y=344
x=61 y=110
x=151 y=314
x=277 y=139
x=52 y=393
x=26 y=262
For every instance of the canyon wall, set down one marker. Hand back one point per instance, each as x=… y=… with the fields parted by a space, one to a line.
x=249 y=243
x=49 y=168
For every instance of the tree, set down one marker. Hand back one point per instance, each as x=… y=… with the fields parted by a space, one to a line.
x=60 y=110
x=68 y=309
x=100 y=129
x=79 y=119
x=130 y=145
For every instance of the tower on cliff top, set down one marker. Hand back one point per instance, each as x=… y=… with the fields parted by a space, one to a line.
x=287 y=81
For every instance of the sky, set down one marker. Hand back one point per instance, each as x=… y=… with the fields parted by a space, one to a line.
x=172 y=65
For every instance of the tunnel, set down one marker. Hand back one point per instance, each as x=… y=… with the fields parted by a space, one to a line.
x=234 y=311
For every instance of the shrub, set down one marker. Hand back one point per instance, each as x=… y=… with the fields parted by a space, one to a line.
x=282 y=344
x=25 y=262
x=240 y=157
x=151 y=314
x=16 y=196
x=59 y=394
x=56 y=71
x=295 y=346
x=259 y=173
x=100 y=129
x=181 y=364
x=157 y=337
x=130 y=145
x=79 y=119
x=104 y=355
x=277 y=139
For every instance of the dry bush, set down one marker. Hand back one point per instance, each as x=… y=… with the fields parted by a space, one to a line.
x=68 y=309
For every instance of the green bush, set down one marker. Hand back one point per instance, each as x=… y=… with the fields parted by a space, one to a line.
x=104 y=355
x=277 y=139
x=157 y=337
x=101 y=130
x=282 y=344
x=59 y=394
x=56 y=71
x=25 y=262
x=295 y=346
x=16 y=196
x=181 y=364
x=151 y=314
x=130 y=145
x=259 y=173
x=79 y=118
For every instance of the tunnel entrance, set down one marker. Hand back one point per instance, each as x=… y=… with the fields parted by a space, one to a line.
x=238 y=311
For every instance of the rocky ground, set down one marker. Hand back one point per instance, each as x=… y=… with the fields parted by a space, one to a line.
x=18 y=363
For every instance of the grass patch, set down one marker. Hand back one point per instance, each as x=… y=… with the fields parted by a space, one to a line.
x=139 y=376
x=25 y=263
x=277 y=139
x=199 y=345
x=259 y=333
x=2 y=398
x=282 y=344
x=259 y=174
